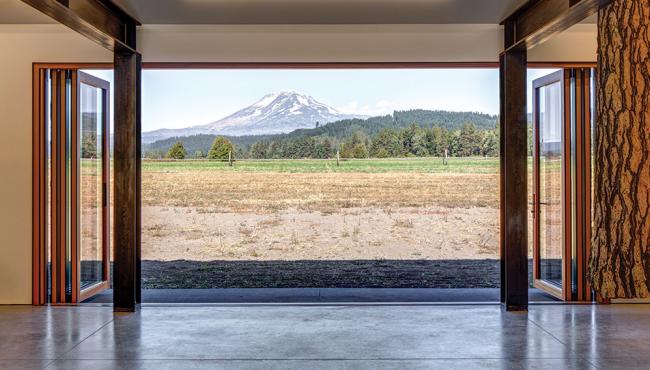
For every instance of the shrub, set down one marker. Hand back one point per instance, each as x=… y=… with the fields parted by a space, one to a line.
x=177 y=151
x=221 y=147
x=154 y=154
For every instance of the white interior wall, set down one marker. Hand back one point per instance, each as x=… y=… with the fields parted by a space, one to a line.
x=26 y=44
x=23 y=45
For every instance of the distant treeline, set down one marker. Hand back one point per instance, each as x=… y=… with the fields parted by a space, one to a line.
x=412 y=141
x=410 y=133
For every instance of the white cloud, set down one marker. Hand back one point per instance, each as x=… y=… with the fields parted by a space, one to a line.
x=379 y=108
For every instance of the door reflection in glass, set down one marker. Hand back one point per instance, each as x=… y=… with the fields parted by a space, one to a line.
x=550 y=183
x=91 y=188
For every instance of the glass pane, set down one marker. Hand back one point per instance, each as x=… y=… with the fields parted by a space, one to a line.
x=90 y=184
x=68 y=186
x=550 y=178
x=48 y=181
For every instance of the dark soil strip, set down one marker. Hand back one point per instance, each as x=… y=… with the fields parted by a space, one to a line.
x=321 y=274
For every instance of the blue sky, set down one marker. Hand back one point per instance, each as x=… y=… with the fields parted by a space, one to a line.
x=181 y=98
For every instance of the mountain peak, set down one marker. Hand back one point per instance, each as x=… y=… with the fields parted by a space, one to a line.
x=292 y=99
x=287 y=93
x=282 y=95
x=275 y=113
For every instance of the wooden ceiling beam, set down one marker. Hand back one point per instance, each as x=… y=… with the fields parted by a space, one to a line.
x=100 y=20
x=538 y=20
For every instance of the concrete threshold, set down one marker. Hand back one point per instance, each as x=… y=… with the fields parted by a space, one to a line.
x=322 y=296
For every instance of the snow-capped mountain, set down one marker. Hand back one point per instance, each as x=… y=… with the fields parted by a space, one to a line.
x=273 y=114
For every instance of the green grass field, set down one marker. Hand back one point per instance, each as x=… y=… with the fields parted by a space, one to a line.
x=476 y=165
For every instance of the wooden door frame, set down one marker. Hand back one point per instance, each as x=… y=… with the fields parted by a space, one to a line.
x=39 y=192
x=580 y=162
x=40 y=199
x=60 y=173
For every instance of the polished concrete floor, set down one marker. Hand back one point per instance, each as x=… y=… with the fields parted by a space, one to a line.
x=549 y=336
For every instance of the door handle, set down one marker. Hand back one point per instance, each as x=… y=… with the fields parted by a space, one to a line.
x=104 y=195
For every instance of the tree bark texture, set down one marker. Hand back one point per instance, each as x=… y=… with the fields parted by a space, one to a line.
x=620 y=256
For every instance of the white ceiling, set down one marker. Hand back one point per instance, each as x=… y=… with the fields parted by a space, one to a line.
x=319 y=11
x=293 y=11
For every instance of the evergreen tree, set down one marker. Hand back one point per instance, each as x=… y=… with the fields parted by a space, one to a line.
x=345 y=150
x=454 y=144
x=386 y=144
x=305 y=147
x=420 y=148
x=491 y=144
x=323 y=149
x=470 y=141
x=328 y=148
x=414 y=141
x=359 y=151
x=437 y=141
x=221 y=147
x=238 y=152
x=260 y=150
x=407 y=136
x=275 y=150
x=355 y=146
x=177 y=151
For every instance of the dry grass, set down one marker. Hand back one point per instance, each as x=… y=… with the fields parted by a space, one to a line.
x=351 y=234
x=407 y=223
x=222 y=214
x=219 y=191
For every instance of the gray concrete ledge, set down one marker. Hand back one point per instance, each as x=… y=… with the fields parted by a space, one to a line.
x=323 y=295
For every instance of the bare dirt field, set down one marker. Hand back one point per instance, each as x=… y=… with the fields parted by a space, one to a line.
x=432 y=232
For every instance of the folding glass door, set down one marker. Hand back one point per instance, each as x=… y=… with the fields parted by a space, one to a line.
x=549 y=167
x=93 y=162
x=562 y=104
x=71 y=154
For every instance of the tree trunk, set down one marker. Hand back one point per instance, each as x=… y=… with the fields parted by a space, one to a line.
x=620 y=257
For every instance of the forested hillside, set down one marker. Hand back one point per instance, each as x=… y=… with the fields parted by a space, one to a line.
x=405 y=133
x=200 y=143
